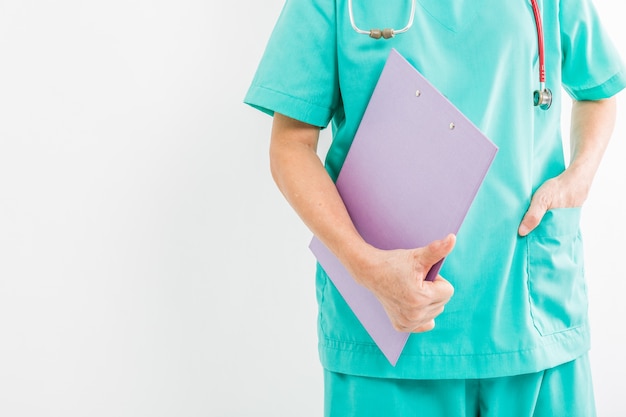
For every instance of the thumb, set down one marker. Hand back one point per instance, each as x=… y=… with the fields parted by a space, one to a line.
x=532 y=218
x=437 y=250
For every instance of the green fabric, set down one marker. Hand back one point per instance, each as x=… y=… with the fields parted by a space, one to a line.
x=520 y=304
x=564 y=391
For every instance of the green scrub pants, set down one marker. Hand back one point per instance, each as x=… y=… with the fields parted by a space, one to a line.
x=563 y=391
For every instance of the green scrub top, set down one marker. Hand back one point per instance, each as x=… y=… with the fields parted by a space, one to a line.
x=520 y=303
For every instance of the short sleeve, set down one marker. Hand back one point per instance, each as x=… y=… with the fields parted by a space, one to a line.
x=591 y=66
x=297 y=75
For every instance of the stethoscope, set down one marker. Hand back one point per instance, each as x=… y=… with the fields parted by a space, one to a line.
x=541 y=97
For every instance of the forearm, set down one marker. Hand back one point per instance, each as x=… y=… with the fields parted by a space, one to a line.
x=592 y=124
x=301 y=177
x=591 y=128
x=396 y=277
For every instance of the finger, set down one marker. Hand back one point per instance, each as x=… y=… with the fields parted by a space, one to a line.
x=533 y=217
x=436 y=250
x=441 y=288
x=407 y=318
x=425 y=327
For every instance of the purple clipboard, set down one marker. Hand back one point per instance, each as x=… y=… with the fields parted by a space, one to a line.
x=410 y=176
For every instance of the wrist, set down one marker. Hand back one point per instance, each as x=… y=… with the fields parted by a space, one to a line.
x=574 y=185
x=580 y=176
x=359 y=258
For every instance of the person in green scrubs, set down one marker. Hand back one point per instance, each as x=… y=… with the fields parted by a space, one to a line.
x=513 y=337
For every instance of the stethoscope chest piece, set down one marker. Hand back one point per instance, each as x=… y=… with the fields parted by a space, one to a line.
x=543 y=98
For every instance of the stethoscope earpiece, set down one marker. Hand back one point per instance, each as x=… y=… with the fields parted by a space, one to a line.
x=543 y=98
x=385 y=33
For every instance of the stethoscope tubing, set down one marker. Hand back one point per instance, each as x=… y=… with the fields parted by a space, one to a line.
x=540 y=46
x=541 y=97
x=372 y=32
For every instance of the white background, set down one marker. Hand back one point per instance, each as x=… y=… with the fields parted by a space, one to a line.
x=148 y=265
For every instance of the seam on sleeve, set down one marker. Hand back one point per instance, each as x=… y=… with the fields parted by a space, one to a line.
x=269 y=101
x=607 y=89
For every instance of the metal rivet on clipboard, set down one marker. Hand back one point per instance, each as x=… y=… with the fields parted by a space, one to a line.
x=452 y=126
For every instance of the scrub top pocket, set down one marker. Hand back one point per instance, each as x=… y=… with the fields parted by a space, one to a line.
x=556 y=282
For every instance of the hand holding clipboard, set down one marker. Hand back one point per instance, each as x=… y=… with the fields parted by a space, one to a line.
x=410 y=176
